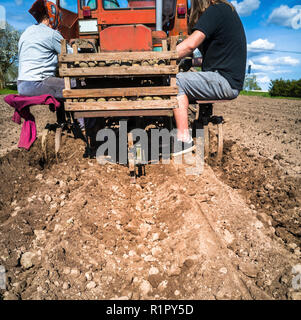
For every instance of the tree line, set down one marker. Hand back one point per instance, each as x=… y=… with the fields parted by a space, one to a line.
x=9 y=38
x=285 y=88
x=277 y=88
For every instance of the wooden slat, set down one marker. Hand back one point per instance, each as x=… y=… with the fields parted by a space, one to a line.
x=123 y=113
x=173 y=81
x=220 y=142
x=173 y=45
x=64 y=65
x=123 y=56
x=75 y=49
x=118 y=71
x=173 y=62
x=67 y=83
x=121 y=105
x=173 y=42
x=206 y=141
x=120 y=92
x=63 y=46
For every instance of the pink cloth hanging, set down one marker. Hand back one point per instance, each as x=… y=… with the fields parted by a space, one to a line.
x=21 y=104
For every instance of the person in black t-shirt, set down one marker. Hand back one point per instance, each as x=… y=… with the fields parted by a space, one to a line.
x=216 y=30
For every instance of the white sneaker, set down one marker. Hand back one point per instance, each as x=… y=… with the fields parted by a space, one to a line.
x=185 y=147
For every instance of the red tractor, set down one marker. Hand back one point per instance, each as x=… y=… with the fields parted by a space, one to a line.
x=112 y=24
x=125 y=53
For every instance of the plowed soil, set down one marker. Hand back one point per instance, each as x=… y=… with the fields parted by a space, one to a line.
x=75 y=229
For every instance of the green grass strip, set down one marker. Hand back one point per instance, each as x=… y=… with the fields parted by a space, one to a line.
x=8 y=91
x=265 y=95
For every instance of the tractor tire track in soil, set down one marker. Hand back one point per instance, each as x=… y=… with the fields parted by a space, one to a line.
x=78 y=230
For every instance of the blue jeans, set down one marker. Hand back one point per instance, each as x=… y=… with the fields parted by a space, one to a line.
x=52 y=86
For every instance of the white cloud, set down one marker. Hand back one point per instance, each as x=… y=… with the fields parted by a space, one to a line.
x=282 y=71
x=258 y=74
x=246 y=7
x=258 y=44
x=19 y=2
x=260 y=67
x=268 y=61
x=264 y=79
x=286 y=17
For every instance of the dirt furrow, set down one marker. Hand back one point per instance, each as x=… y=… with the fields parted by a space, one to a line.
x=75 y=229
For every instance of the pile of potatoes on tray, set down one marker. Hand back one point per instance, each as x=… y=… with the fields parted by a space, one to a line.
x=118 y=63
x=148 y=98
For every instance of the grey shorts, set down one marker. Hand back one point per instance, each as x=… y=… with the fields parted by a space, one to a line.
x=52 y=86
x=205 y=86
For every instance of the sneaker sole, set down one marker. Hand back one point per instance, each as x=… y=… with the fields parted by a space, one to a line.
x=183 y=151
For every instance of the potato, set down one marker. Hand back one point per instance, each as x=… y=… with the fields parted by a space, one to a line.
x=83 y=65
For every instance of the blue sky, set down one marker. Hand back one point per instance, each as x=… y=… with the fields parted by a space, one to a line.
x=271 y=28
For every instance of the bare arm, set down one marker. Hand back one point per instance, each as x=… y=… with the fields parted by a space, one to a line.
x=186 y=47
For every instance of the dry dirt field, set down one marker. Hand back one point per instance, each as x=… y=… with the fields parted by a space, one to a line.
x=75 y=229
